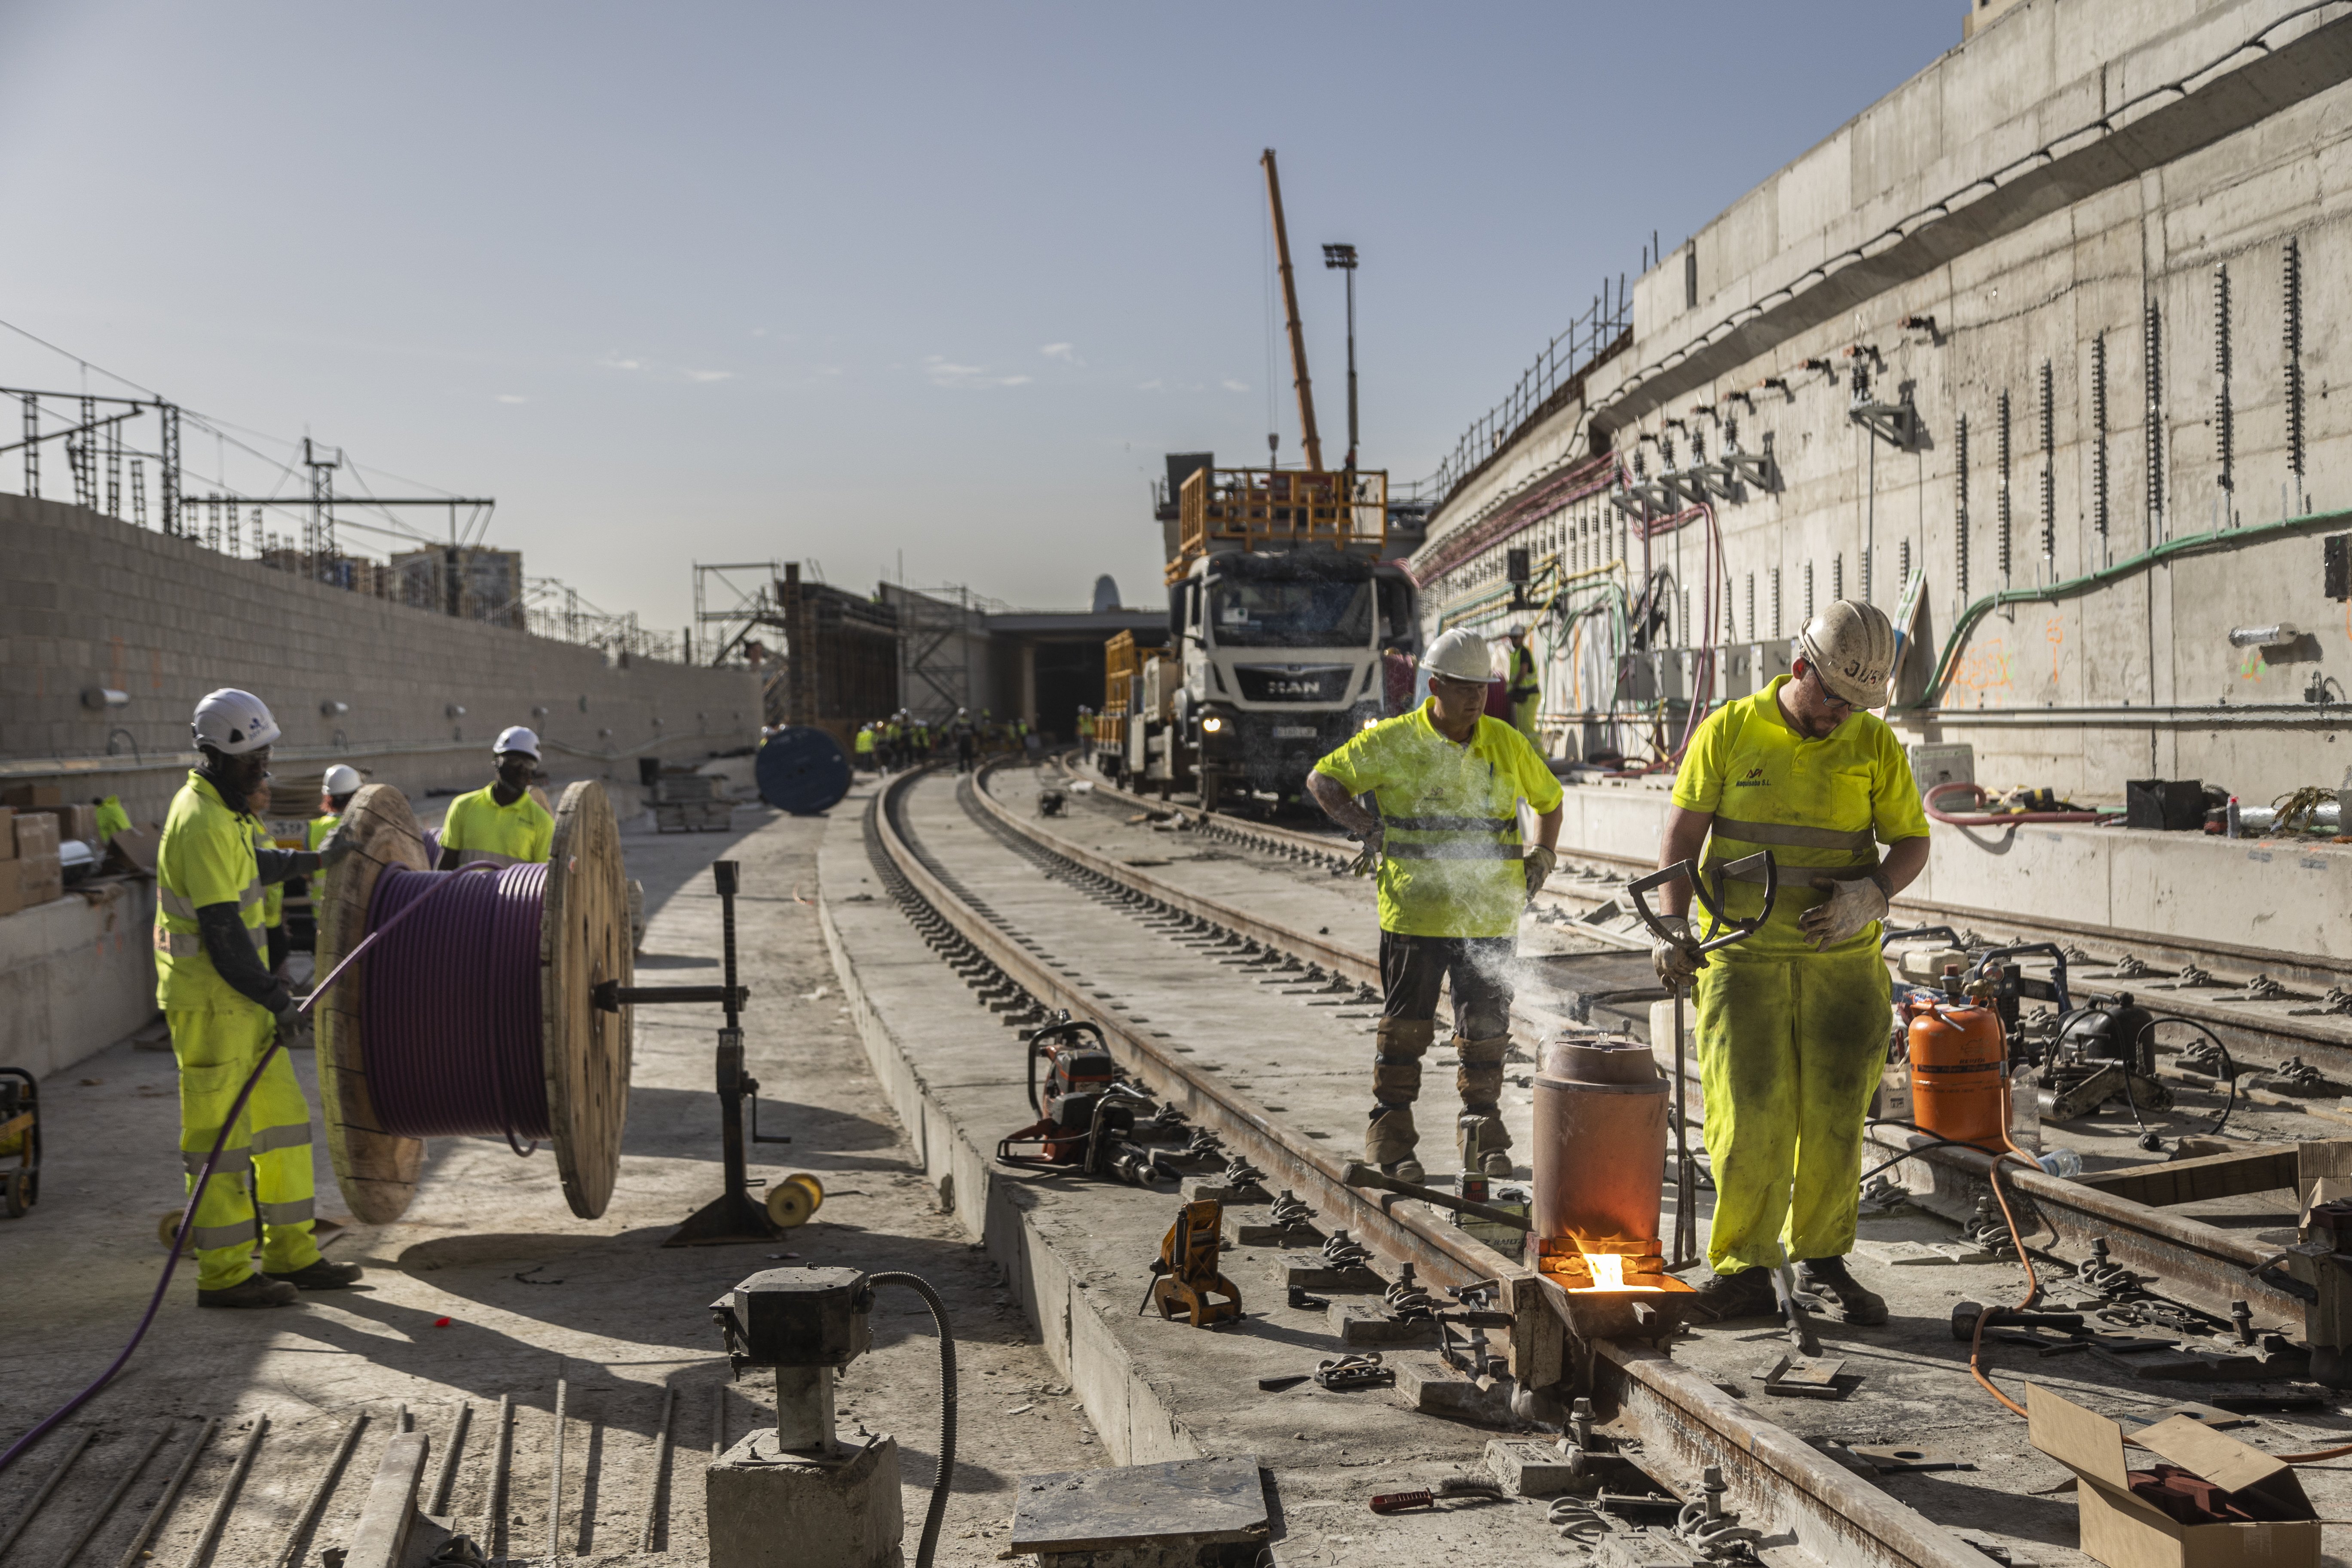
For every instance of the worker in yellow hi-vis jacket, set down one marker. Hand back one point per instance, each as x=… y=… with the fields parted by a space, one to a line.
x=1792 y=1022
x=1453 y=876
x=224 y=1009
x=500 y=823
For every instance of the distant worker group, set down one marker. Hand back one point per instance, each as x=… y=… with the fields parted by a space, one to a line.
x=901 y=740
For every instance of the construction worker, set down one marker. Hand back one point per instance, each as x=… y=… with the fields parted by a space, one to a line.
x=1445 y=783
x=1525 y=689
x=967 y=740
x=501 y=822
x=1791 y=1023
x=273 y=897
x=1086 y=728
x=864 y=744
x=335 y=792
x=224 y=1010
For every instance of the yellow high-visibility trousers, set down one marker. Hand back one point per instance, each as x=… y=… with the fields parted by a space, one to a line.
x=1788 y=1050
x=264 y=1171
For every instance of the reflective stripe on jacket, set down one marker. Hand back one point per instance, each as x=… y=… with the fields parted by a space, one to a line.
x=479 y=828
x=205 y=857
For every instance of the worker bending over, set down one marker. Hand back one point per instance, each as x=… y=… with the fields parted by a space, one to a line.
x=500 y=823
x=1446 y=783
x=1792 y=1022
x=224 y=1010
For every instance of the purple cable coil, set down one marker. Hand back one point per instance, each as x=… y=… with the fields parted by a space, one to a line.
x=450 y=1006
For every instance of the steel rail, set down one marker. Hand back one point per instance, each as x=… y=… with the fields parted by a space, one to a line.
x=1773 y=1475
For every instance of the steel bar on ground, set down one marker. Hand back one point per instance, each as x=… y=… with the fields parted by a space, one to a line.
x=218 y=1520
x=306 y=1520
x=555 y=1479
x=445 y=1476
x=163 y=1508
x=74 y=1448
x=494 y=1508
x=661 y=1469
x=113 y=1498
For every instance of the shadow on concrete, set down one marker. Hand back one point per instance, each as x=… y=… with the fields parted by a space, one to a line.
x=685 y=1124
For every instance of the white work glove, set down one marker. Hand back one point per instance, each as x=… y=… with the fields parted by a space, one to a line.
x=292 y=1021
x=1368 y=858
x=1844 y=914
x=338 y=844
x=1538 y=866
x=1679 y=960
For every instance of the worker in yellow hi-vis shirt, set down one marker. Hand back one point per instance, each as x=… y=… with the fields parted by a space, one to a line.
x=335 y=792
x=1792 y=1022
x=224 y=1010
x=1446 y=783
x=500 y=823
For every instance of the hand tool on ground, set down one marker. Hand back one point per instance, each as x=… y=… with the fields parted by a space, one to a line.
x=1758 y=867
x=1965 y=1315
x=1086 y=1114
x=20 y=1136
x=1793 y=1304
x=1360 y=1175
x=1184 y=1277
x=1365 y=1371
x=1453 y=1486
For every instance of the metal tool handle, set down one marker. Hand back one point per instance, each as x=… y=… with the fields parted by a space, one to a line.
x=2050 y=950
x=1757 y=867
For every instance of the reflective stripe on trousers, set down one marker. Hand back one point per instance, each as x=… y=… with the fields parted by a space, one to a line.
x=264 y=1175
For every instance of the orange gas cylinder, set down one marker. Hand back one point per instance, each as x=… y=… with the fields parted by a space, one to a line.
x=1957 y=1059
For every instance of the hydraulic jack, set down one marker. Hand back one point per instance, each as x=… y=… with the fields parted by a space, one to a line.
x=1757 y=868
x=734 y=1216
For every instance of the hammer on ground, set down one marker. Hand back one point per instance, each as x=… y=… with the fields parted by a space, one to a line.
x=1966 y=1314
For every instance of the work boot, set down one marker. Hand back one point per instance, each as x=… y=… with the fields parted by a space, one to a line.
x=322 y=1276
x=253 y=1290
x=1389 y=1139
x=1829 y=1278
x=1728 y=1297
x=1483 y=1142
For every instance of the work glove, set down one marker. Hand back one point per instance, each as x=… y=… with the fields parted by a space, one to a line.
x=337 y=846
x=1846 y=913
x=1676 y=959
x=292 y=1024
x=1368 y=858
x=1538 y=864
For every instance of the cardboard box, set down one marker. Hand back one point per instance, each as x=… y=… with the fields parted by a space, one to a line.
x=7 y=833
x=134 y=849
x=12 y=889
x=23 y=795
x=2124 y=1531
x=42 y=879
x=73 y=821
x=36 y=836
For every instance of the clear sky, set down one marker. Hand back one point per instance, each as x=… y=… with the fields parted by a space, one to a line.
x=732 y=283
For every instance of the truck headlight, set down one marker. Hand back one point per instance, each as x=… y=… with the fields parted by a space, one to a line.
x=1213 y=724
x=1370 y=720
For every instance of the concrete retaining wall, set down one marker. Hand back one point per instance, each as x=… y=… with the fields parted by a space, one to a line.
x=76 y=975
x=2016 y=272
x=86 y=601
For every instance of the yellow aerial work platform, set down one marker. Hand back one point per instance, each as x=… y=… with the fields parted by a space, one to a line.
x=1280 y=509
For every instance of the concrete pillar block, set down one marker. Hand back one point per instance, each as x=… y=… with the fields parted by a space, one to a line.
x=771 y=1508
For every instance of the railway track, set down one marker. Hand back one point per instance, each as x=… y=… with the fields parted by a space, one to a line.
x=1025 y=958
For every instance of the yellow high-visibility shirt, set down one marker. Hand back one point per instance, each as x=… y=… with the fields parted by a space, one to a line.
x=1450 y=817
x=205 y=857
x=273 y=898
x=1813 y=804
x=479 y=828
x=865 y=741
x=315 y=833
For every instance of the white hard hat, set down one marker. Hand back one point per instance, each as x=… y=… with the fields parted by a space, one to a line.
x=1460 y=655
x=1852 y=646
x=515 y=738
x=233 y=722
x=341 y=778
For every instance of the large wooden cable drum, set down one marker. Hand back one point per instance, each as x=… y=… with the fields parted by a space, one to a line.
x=583 y=1052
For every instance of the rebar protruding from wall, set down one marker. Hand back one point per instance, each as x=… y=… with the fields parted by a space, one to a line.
x=2152 y=339
x=1902 y=564
x=2099 y=441
x=2225 y=428
x=1751 y=606
x=2049 y=422
x=1777 y=632
x=1809 y=593
x=1960 y=505
x=2291 y=279
x=2001 y=456
x=1837 y=576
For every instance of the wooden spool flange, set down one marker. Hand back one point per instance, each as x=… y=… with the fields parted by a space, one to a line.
x=586 y=1052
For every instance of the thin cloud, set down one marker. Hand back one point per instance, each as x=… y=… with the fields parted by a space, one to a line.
x=1231 y=385
x=710 y=375
x=1154 y=385
x=944 y=372
x=1067 y=352
x=614 y=362
x=513 y=397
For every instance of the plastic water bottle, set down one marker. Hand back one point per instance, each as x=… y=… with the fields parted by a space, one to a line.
x=2230 y=827
x=2061 y=1162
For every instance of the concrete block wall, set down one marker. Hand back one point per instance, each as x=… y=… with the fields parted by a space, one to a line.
x=86 y=600
x=2137 y=678
x=76 y=974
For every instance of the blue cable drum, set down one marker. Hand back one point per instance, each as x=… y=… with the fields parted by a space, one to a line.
x=802 y=770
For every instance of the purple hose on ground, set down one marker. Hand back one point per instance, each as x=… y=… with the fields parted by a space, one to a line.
x=47 y=1423
x=450 y=1008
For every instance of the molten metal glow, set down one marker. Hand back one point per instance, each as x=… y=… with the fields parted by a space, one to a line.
x=1608 y=1272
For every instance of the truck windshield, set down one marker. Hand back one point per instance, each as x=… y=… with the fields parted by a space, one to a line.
x=1290 y=615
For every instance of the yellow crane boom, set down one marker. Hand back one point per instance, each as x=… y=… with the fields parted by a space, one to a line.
x=1307 y=436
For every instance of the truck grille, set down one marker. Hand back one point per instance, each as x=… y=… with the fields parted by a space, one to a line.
x=1293 y=683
